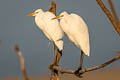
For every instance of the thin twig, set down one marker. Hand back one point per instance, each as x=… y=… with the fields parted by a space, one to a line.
x=22 y=62
x=86 y=69
x=108 y=14
x=118 y=52
x=114 y=12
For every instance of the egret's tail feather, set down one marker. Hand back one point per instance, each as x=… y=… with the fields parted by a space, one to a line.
x=86 y=50
x=59 y=44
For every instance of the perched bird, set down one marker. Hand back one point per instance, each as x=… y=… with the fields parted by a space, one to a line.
x=51 y=28
x=77 y=31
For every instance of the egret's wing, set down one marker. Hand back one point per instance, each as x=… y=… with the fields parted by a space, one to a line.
x=66 y=25
x=80 y=30
x=53 y=30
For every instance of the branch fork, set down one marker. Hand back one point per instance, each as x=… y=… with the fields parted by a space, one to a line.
x=81 y=72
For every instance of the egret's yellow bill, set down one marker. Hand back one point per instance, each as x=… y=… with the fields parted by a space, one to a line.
x=57 y=17
x=31 y=14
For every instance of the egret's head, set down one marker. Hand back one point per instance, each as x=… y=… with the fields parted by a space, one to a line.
x=38 y=11
x=61 y=15
x=64 y=13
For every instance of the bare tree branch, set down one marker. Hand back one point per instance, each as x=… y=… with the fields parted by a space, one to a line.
x=108 y=14
x=114 y=12
x=86 y=69
x=23 y=67
x=54 y=73
x=53 y=7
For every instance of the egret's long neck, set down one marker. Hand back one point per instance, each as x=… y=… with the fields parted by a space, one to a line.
x=37 y=19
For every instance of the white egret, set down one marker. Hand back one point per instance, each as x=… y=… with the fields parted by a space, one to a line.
x=51 y=28
x=77 y=31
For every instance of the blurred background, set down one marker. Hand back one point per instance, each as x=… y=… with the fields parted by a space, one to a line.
x=16 y=28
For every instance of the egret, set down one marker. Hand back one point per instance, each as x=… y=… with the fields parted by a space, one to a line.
x=77 y=31
x=51 y=29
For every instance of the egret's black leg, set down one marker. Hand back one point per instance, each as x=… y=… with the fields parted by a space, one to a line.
x=81 y=63
x=81 y=60
x=59 y=54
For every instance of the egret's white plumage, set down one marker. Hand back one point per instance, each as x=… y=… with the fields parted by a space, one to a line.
x=77 y=31
x=51 y=28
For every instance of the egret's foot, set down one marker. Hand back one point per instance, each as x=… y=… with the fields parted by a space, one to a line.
x=77 y=72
